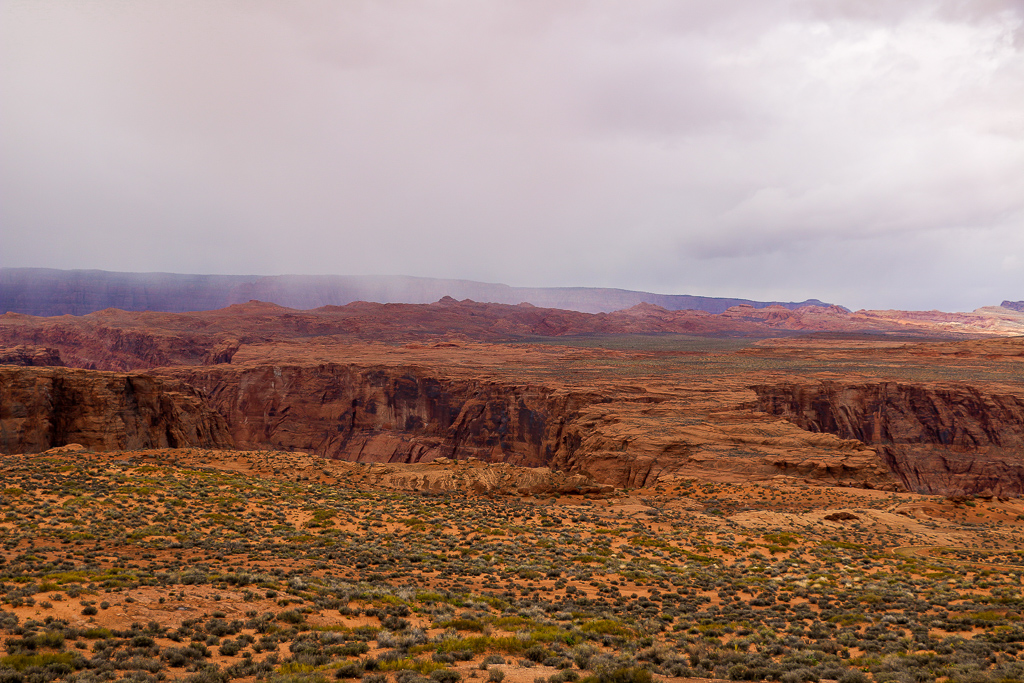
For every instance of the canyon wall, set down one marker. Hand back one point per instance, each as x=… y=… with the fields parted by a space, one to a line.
x=943 y=439
x=45 y=407
x=30 y=356
x=388 y=414
x=624 y=436
x=94 y=346
x=937 y=439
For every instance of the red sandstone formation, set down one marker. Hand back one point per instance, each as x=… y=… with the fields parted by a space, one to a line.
x=949 y=439
x=627 y=436
x=271 y=377
x=30 y=356
x=41 y=408
x=386 y=414
x=120 y=340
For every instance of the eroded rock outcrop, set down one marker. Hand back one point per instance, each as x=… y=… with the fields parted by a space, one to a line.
x=944 y=439
x=624 y=436
x=1013 y=305
x=31 y=356
x=41 y=408
x=446 y=476
x=388 y=414
x=112 y=339
x=104 y=342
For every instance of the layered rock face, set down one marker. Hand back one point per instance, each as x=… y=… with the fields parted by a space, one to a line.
x=121 y=340
x=95 y=346
x=625 y=436
x=388 y=414
x=30 y=356
x=943 y=439
x=1013 y=305
x=45 y=407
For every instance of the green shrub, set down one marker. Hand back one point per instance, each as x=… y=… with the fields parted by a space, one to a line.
x=291 y=617
x=349 y=670
x=20 y=662
x=446 y=676
x=621 y=675
x=853 y=676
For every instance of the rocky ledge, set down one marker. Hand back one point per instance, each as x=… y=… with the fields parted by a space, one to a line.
x=41 y=408
x=946 y=439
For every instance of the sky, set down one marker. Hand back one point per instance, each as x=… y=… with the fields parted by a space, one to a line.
x=864 y=152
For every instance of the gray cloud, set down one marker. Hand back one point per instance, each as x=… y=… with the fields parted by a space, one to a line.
x=870 y=153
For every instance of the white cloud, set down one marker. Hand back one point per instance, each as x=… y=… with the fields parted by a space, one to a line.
x=706 y=148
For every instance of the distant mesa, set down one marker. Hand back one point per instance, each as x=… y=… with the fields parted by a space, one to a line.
x=1013 y=305
x=51 y=292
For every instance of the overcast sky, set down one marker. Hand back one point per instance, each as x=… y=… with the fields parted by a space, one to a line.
x=865 y=152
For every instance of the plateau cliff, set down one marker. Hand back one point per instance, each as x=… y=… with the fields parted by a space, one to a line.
x=41 y=408
x=123 y=340
x=946 y=439
x=388 y=414
x=625 y=436
x=30 y=356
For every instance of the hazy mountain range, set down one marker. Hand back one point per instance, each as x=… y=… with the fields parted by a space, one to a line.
x=47 y=292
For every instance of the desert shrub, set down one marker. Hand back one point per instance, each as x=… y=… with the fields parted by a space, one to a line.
x=349 y=670
x=446 y=676
x=557 y=662
x=220 y=627
x=853 y=676
x=208 y=674
x=142 y=664
x=247 y=668
x=537 y=653
x=353 y=649
x=620 y=675
x=394 y=623
x=800 y=675
x=495 y=676
x=461 y=624
x=182 y=656
x=582 y=655
x=410 y=676
x=63 y=662
x=291 y=617
x=81 y=677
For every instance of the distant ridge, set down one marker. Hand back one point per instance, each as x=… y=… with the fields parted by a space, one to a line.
x=1013 y=305
x=50 y=292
